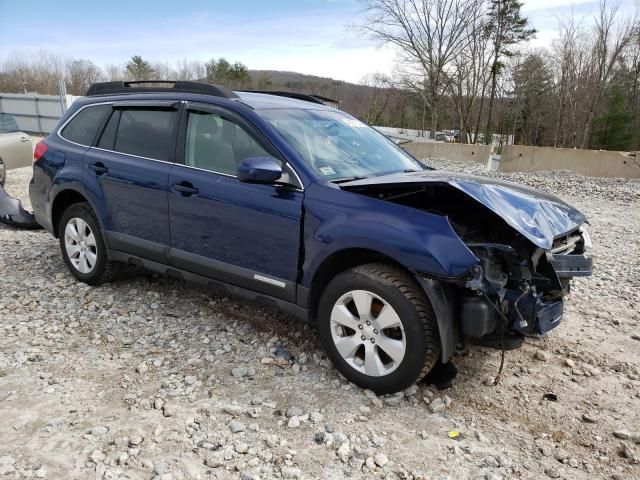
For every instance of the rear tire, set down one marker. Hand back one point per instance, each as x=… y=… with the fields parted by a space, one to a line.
x=82 y=247
x=378 y=327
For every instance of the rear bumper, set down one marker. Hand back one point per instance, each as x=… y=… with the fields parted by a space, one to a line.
x=568 y=266
x=12 y=213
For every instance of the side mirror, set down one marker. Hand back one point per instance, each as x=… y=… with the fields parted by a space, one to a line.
x=259 y=170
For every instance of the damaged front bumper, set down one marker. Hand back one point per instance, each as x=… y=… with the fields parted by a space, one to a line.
x=12 y=212
x=569 y=266
x=508 y=293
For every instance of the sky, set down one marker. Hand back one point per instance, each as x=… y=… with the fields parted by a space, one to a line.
x=306 y=36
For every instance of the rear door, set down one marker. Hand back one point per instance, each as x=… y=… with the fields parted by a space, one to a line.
x=244 y=234
x=129 y=169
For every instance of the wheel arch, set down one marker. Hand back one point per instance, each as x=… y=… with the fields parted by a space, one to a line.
x=338 y=262
x=63 y=200
x=440 y=294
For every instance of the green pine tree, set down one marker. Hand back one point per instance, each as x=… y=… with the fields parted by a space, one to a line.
x=612 y=128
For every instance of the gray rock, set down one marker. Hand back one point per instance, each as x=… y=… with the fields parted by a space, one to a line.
x=560 y=454
x=240 y=372
x=241 y=447
x=236 y=426
x=271 y=441
x=294 y=422
x=490 y=461
x=393 y=400
x=316 y=417
x=97 y=456
x=235 y=410
x=552 y=472
x=343 y=451
x=294 y=412
x=291 y=473
x=7 y=464
x=622 y=434
x=160 y=467
x=437 y=405
x=543 y=356
x=98 y=431
x=169 y=410
x=380 y=459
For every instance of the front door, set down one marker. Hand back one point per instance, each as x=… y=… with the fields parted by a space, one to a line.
x=243 y=234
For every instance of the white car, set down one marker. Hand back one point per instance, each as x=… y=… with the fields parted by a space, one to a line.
x=16 y=149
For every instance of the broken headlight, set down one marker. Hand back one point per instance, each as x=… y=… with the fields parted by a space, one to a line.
x=586 y=237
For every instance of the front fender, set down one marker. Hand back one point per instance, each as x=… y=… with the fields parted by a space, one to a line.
x=337 y=220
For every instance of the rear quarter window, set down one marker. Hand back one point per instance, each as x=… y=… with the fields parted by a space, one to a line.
x=83 y=127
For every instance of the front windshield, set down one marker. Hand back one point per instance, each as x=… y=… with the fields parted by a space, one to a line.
x=337 y=146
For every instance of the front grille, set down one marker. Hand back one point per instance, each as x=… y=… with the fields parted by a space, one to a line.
x=572 y=243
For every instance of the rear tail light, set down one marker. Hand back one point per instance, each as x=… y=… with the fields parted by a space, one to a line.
x=39 y=151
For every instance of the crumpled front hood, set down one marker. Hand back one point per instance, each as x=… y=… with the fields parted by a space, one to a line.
x=538 y=216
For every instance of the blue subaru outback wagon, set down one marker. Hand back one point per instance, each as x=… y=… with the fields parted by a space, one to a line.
x=290 y=203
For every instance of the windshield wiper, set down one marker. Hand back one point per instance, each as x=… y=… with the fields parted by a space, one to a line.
x=347 y=179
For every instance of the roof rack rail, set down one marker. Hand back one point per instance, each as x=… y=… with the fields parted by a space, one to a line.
x=179 y=86
x=299 y=96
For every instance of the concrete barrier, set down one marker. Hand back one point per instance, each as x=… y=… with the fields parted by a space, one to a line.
x=592 y=163
x=450 y=151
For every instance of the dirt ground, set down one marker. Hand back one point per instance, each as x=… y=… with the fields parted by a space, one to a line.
x=150 y=377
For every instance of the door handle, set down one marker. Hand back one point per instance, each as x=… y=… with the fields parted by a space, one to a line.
x=24 y=139
x=185 y=188
x=99 y=168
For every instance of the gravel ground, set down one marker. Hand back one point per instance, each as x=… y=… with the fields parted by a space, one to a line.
x=150 y=377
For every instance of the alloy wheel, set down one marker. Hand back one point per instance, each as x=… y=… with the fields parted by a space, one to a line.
x=368 y=333
x=80 y=244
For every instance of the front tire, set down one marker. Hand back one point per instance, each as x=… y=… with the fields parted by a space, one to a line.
x=378 y=327
x=82 y=247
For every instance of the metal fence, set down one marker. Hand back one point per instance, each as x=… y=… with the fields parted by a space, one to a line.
x=35 y=113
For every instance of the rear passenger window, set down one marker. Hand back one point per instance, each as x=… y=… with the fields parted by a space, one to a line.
x=83 y=127
x=146 y=133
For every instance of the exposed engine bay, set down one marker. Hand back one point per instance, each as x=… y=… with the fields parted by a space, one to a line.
x=516 y=287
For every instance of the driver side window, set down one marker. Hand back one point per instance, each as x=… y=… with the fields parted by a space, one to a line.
x=216 y=144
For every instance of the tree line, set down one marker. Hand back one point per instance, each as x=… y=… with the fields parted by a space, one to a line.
x=42 y=72
x=467 y=64
x=464 y=66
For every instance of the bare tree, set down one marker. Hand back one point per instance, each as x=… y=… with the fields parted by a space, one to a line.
x=113 y=72
x=612 y=34
x=469 y=78
x=190 y=70
x=430 y=34
x=80 y=75
x=39 y=72
x=380 y=94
